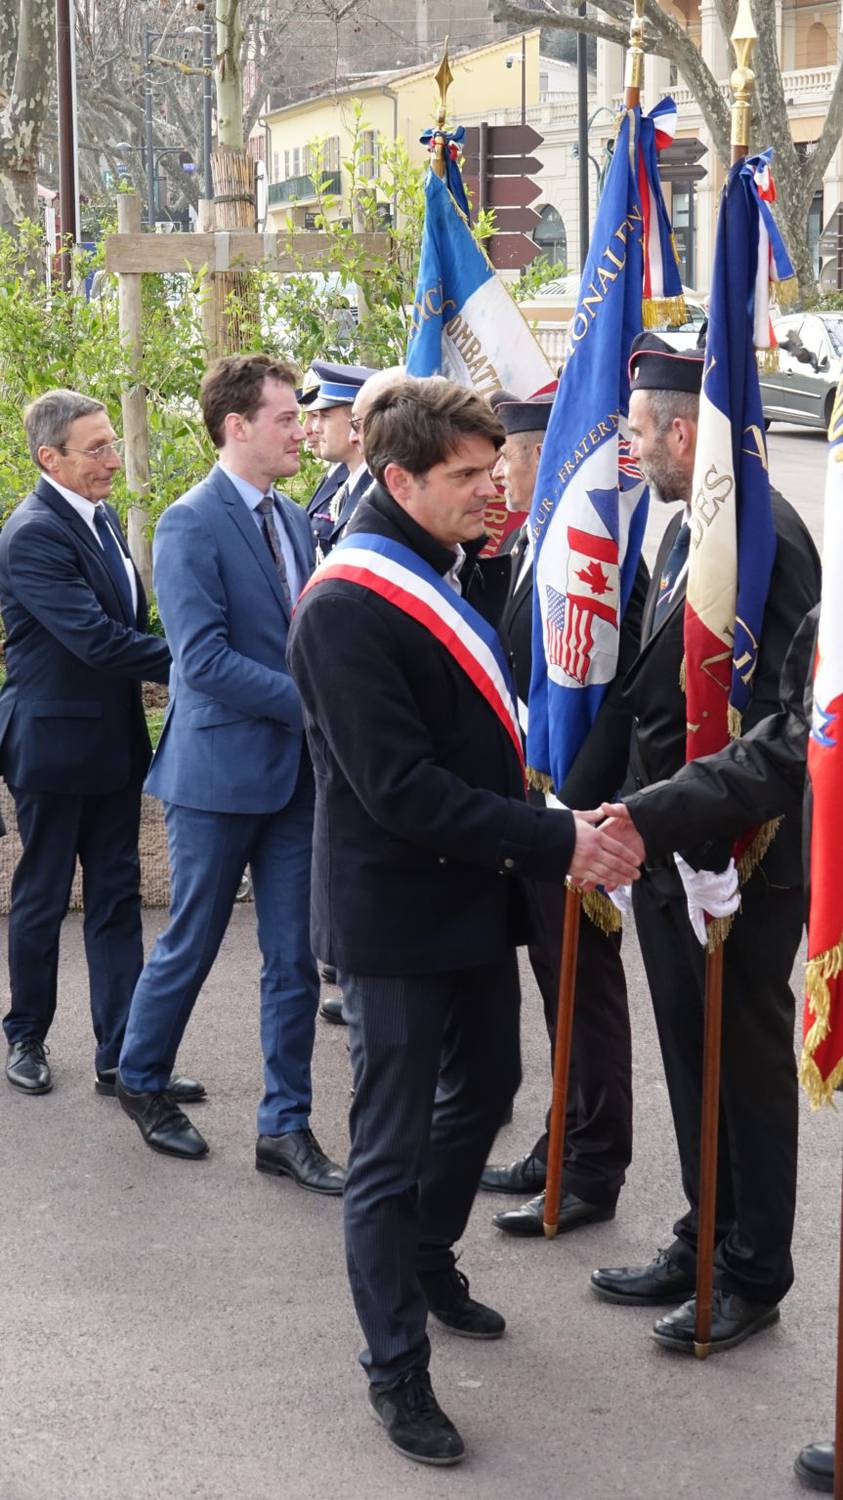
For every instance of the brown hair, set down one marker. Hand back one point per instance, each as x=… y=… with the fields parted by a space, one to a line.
x=418 y=423
x=235 y=384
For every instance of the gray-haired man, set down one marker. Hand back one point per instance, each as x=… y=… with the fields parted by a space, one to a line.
x=73 y=741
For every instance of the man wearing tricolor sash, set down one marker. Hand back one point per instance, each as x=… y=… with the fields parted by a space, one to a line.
x=422 y=846
x=757 y=1161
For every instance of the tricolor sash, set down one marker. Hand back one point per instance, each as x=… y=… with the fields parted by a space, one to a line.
x=404 y=579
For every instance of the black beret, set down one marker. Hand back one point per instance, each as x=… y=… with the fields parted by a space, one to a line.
x=655 y=365
x=497 y=398
x=524 y=416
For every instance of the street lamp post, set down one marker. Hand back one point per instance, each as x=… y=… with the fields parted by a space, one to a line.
x=147 y=120
x=207 y=102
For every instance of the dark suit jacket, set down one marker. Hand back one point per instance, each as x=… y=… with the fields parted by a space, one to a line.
x=658 y=703
x=319 y=505
x=71 y=717
x=422 y=832
x=599 y=769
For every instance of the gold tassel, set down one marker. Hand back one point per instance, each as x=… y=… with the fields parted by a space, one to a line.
x=683 y=678
x=753 y=855
x=656 y=312
x=767 y=360
x=718 y=930
x=734 y=721
x=818 y=972
x=785 y=292
x=603 y=912
x=539 y=781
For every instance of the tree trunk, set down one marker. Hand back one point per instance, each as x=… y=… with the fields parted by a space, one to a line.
x=22 y=113
x=233 y=173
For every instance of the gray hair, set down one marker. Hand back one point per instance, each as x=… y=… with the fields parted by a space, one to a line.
x=666 y=406
x=47 y=419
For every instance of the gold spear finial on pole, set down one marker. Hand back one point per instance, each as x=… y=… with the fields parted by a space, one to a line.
x=744 y=38
x=444 y=77
x=635 y=56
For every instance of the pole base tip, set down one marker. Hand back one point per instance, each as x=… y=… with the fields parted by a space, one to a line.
x=701 y=1351
x=550 y=1231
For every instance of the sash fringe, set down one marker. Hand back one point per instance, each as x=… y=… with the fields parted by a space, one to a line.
x=603 y=912
x=719 y=927
x=818 y=972
x=767 y=360
x=786 y=291
x=539 y=781
x=657 y=311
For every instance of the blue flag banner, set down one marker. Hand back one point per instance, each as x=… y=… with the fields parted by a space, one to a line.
x=465 y=323
x=590 y=504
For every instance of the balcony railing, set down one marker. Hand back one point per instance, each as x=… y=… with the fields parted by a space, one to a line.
x=302 y=189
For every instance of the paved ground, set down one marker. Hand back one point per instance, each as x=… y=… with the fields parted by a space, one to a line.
x=186 y=1329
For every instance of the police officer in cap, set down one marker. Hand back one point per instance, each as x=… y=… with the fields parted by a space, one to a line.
x=318 y=506
x=598 y=1135
x=756 y=1173
x=331 y=408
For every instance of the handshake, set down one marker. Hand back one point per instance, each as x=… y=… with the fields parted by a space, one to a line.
x=608 y=855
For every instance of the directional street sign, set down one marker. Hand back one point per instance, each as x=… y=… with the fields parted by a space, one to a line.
x=512 y=192
x=503 y=140
x=503 y=166
x=505 y=186
x=509 y=252
x=508 y=220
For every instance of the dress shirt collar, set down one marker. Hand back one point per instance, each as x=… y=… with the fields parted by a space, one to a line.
x=84 y=508
x=244 y=487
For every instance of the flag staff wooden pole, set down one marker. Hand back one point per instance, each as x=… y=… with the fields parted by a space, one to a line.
x=744 y=38
x=573 y=898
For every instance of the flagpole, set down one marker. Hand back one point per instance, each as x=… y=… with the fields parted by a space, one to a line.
x=444 y=77
x=573 y=898
x=744 y=38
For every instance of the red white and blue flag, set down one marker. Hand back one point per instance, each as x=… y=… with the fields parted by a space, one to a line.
x=822 y=1053
x=590 y=503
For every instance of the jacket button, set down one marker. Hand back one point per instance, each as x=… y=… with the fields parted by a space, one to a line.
x=509 y=864
x=441 y=860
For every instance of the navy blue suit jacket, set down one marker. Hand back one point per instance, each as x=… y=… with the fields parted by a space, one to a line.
x=232 y=738
x=71 y=716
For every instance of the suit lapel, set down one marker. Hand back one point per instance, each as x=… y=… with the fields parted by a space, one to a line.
x=648 y=635
x=239 y=513
x=83 y=534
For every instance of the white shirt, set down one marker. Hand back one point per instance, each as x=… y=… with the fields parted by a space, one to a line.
x=452 y=575
x=252 y=496
x=85 y=510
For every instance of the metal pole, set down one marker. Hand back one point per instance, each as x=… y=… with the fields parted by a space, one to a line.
x=582 y=137
x=147 y=119
x=67 y=160
x=523 y=79
x=207 y=102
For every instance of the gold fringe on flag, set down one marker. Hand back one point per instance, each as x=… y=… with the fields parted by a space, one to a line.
x=656 y=312
x=539 y=781
x=719 y=927
x=603 y=912
x=826 y=966
x=767 y=360
x=785 y=292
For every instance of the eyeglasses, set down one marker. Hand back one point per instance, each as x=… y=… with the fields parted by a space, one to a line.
x=356 y=424
x=116 y=447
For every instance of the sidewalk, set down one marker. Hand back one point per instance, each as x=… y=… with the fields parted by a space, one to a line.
x=185 y=1330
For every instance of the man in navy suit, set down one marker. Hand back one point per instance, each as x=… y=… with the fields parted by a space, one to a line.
x=230 y=558
x=73 y=741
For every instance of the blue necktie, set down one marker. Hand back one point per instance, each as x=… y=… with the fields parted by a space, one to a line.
x=676 y=560
x=114 y=561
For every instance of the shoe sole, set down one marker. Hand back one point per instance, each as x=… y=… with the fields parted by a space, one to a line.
x=465 y=1333
x=721 y=1345
x=536 y=1230
x=25 y=1088
x=525 y=1191
x=811 y=1480
x=109 y=1091
x=415 y=1458
x=177 y=1155
x=276 y=1171
x=331 y=1020
x=625 y=1299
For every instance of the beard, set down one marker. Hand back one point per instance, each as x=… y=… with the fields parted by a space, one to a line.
x=668 y=482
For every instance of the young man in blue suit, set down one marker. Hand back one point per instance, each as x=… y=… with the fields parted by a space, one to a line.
x=74 y=747
x=230 y=558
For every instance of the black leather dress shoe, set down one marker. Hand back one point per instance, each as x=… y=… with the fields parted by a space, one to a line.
x=331 y=1010
x=27 y=1068
x=183 y=1090
x=328 y=973
x=415 y=1422
x=298 y=1154
x=733 y=1319
x=658 y=1284
x=162 y=1124
x=446 y=1294
x=528 y=1220
x=526 y=1175
x=814 y=1465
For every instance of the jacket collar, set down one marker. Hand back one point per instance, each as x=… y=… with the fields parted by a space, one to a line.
x=378 y=512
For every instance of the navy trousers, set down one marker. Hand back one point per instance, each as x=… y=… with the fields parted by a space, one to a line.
x=414 y=1165
x=103 y=833
x=208 y=853
x=757 y=1142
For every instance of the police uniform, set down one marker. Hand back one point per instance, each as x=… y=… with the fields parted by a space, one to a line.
x=332 y=503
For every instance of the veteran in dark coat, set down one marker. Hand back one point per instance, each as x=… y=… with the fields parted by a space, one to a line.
x=423 y=843
x=598 y=1129
x=757 y=1162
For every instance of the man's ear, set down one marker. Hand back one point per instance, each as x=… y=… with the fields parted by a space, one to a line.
x=398 y=481
x=46 y=457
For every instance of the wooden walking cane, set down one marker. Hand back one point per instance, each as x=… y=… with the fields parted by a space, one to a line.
x=573 y=898
x=744 y=38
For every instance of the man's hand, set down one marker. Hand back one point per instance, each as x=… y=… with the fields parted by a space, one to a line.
x=599 y=858
x=620 y=827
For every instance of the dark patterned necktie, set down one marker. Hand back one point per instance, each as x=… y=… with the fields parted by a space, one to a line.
x=114 y=561
x=266 y=508
x=677 y=558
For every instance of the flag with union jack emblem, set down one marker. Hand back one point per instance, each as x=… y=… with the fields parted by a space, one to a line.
x=821 y=1069
x=590 y=503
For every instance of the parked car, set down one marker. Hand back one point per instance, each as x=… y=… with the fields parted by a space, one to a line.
x=686 y=335
x=553 y=306
x=810 y=365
